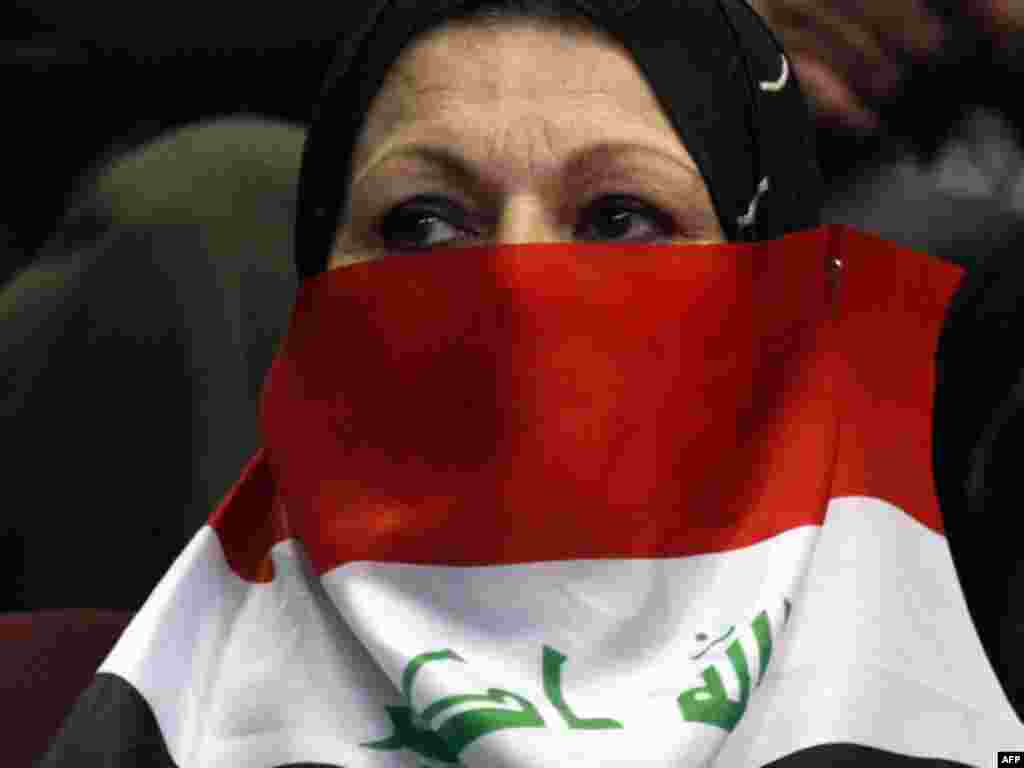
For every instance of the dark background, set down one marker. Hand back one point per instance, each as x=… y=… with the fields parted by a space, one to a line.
x=85 y=80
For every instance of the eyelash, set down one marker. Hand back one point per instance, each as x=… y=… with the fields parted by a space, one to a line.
x=434 y=207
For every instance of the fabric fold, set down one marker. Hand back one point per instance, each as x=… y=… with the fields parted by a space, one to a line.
x=620 y=506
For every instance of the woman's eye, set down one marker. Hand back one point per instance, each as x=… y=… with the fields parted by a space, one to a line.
x=428 y=222
x=422 y=223
x=621 y=217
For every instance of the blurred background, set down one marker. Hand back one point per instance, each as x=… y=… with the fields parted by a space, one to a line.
x=145 y=262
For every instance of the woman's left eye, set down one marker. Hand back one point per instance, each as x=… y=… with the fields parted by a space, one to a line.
x=621 y=217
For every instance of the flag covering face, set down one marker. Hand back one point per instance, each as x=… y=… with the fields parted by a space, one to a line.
x=549 y=505
x=490 y=406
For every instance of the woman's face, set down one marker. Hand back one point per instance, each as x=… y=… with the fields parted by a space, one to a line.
x=516 y=132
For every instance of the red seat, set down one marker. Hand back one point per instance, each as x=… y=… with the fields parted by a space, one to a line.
x=47 y=659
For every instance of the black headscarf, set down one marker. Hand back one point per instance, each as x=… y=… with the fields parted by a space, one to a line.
x=715 y=67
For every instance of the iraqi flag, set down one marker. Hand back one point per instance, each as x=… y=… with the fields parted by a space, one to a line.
x=595 y=505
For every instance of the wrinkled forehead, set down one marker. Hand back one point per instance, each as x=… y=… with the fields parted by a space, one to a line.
x=508 y=60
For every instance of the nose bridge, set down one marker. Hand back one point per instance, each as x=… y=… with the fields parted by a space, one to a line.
x=527 y=218
x=527 y=213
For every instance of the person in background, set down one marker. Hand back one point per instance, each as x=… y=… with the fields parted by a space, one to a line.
x=132 y=351
x=922 y=98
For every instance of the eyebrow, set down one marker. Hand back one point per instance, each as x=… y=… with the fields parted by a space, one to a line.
x=460 y=171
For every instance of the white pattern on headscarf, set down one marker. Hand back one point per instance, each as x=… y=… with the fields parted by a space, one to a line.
x=778 y=85
x=748 y=218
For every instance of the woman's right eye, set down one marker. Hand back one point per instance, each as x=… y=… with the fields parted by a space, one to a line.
x=422 y=223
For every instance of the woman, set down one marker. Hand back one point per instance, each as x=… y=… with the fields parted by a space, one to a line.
x=578 y=449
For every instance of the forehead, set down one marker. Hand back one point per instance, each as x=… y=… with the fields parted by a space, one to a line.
x=512 y=61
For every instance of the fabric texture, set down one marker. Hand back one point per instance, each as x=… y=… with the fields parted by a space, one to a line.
x=498 y=554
